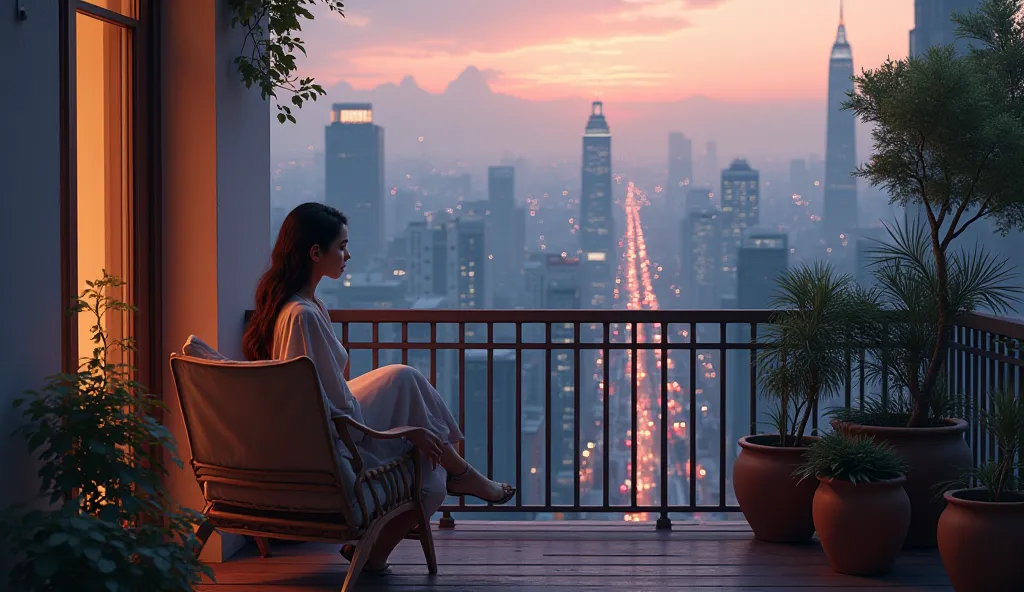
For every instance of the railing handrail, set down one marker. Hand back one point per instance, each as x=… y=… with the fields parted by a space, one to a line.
x=1003 y=326
x=498 y=316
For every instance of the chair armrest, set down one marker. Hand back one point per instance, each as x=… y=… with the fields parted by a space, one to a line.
x=391 y=434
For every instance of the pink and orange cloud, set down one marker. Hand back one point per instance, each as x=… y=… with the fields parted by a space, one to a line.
x=618 y=49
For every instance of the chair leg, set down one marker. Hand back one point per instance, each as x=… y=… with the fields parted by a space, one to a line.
x=359 y=557
x=427 y=541
x=263 y=544
x=203 y=534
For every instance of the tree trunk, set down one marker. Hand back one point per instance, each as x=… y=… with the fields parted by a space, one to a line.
x=923 y=399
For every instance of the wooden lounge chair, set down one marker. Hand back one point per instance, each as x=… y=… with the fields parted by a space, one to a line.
x=269 y=466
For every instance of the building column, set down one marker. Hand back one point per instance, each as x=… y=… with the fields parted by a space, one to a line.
x=216 y=202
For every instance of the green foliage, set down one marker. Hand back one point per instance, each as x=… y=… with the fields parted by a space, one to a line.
x=948 y=136
x=857 y=459
x=110 y=523
x=818 y=320
x=1002 y=479
x=903 y=334
x=271 y=29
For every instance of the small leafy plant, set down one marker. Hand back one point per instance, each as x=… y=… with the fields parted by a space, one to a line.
x=271 y=28
x=1001 y=479
x=804 y=359
x=857 y=459
x=107 y=522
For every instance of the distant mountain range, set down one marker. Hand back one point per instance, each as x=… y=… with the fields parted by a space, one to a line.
x=469 y=122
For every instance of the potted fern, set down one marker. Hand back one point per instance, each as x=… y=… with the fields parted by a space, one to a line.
x=802 y=361
x=981 y=531
x=861 y=512
x=106 y=521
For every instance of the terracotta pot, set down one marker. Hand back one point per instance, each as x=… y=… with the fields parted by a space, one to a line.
x=861 y=527
x=934 y=456
x=775 y=503
x=981 y=542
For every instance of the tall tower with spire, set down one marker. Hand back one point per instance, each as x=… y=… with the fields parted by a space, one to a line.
x=841 y=145
x=596 y=229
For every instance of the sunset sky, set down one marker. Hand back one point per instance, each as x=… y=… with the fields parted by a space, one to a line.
x=738 y=50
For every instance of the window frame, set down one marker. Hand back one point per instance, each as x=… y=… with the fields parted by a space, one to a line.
x=145 y=188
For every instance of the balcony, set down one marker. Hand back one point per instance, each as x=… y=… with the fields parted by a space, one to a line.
x=563 y=384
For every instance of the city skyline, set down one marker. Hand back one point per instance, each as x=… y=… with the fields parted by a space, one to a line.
x=614 y=50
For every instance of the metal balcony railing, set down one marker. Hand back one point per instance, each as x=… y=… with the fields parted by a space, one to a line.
x=630 y=412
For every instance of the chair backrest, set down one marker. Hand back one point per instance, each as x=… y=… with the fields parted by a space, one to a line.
x=259 y=434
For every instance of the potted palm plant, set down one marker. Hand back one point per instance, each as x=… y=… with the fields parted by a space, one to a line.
x=948 y=143
x=105 y=520
x=921 y=419
x=802 y=361
x=981 y=531
x=861 y=512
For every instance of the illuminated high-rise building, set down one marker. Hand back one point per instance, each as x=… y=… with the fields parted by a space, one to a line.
x=597 y=232
x=840 y=217
x=354 y=171
x=701 y=261
x=680 y=172
x=740 y=211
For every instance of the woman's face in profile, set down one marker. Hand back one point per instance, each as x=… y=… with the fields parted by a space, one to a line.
x=332 y=262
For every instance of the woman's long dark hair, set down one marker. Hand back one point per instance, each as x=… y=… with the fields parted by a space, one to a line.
x=290 y=267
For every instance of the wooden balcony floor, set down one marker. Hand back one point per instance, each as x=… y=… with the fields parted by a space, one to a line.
x=543 y=556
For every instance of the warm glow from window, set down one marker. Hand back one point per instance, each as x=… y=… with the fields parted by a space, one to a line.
x=355 y=116
x=104 y=163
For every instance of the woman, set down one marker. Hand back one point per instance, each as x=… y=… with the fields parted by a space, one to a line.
x=290 y=321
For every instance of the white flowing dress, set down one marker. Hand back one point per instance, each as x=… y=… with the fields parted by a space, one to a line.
x=389 y=397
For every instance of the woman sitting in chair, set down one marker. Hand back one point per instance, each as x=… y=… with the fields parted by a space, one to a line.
x=290 y=321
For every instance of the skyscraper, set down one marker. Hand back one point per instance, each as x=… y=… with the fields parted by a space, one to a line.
x=933 y=24
x=740 y=211
x=506 y=265
x=680 y=171
x=841 y=144
x=701 y=260
x=354 y=171
x=597 y=239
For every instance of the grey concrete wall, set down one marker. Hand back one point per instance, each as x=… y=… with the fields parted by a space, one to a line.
x=216 y=200
x=30 y=299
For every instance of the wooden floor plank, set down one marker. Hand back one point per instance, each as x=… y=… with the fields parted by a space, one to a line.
x=499 y=557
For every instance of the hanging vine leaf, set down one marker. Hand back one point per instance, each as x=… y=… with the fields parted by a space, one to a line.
x=268 y=54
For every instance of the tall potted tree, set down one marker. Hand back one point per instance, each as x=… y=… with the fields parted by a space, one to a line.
x=981 y=531
x=803 y=360
x=948 y=143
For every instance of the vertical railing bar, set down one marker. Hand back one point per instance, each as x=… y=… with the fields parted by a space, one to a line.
x=375 y=351
x=663 y=522
x=722 y=406
x=462 y=395
x=974 y=372
x=863 y=377
x=691 y=428
x=547 y=414
x=848 y=379
x=606 y=416
x=519 y=414
x=344 y=343
x=433 y=354
x=633 y=414
x=753 y=378
x=576 y=412
x=405 y=343
x=490 y=401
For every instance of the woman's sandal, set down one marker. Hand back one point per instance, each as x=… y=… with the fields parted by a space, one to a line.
x=348 y=551
x=508 y=491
